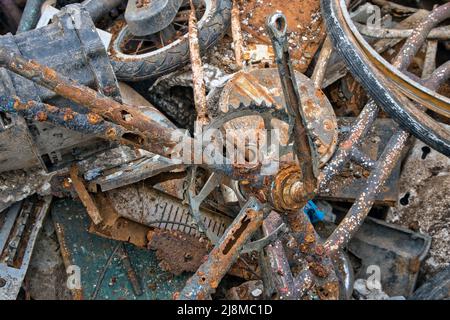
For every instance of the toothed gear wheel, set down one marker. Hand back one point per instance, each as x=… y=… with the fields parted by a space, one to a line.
x=258 y=93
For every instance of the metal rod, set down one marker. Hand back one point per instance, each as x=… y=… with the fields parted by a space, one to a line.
x=85 y=197
x=89 y=123
x=393 y=151
x=440 y=33
x=362 y=159
x=419 y=36
x=30 y=15
x=237 y=34
x=98 y=8
x=197 y=71
x=439 y=76
x=131 y=273
x=358 y=131
x=275 y=268
x=322 y=63
x=129 y=117
x=429 y=64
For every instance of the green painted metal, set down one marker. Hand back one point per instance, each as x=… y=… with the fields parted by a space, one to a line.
x=91 y=253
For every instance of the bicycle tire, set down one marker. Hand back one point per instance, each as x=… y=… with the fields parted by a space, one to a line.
x=212 y=26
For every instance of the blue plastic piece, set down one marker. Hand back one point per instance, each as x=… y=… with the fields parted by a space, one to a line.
x=313 y=212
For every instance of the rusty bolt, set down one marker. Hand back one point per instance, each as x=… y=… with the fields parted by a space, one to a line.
x=111 y=133
x=67 y=183
x=319 y=250
x=41 y=116
x=68 y=115
x=328 y=125
x=297 y=191
x=93 y=118
x=309 y=238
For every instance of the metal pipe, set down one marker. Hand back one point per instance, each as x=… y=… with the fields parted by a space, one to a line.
x=159 y=139
x=393 y=151
x=98 y=8
x=362 y=159
x=419 y=36
x=237 y=34
x=30 y=15
x=439 y=76
x=358 y=131
x=90 y=123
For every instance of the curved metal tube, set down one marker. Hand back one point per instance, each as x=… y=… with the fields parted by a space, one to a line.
x=98 y=8
x=375 y=82
x=393 y=151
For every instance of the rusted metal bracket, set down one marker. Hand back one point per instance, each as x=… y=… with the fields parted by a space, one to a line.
x=204 y=282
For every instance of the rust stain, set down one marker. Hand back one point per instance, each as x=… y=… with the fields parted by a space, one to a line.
x=41 y=116
x=223 y=256
x=94 y=118
x=177 y=251
x=304 y=21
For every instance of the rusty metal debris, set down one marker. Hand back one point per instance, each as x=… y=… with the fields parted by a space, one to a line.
x=280 y=187
x=197 y=70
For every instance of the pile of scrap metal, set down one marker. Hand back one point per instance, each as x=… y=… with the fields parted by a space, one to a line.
x=112 y=115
